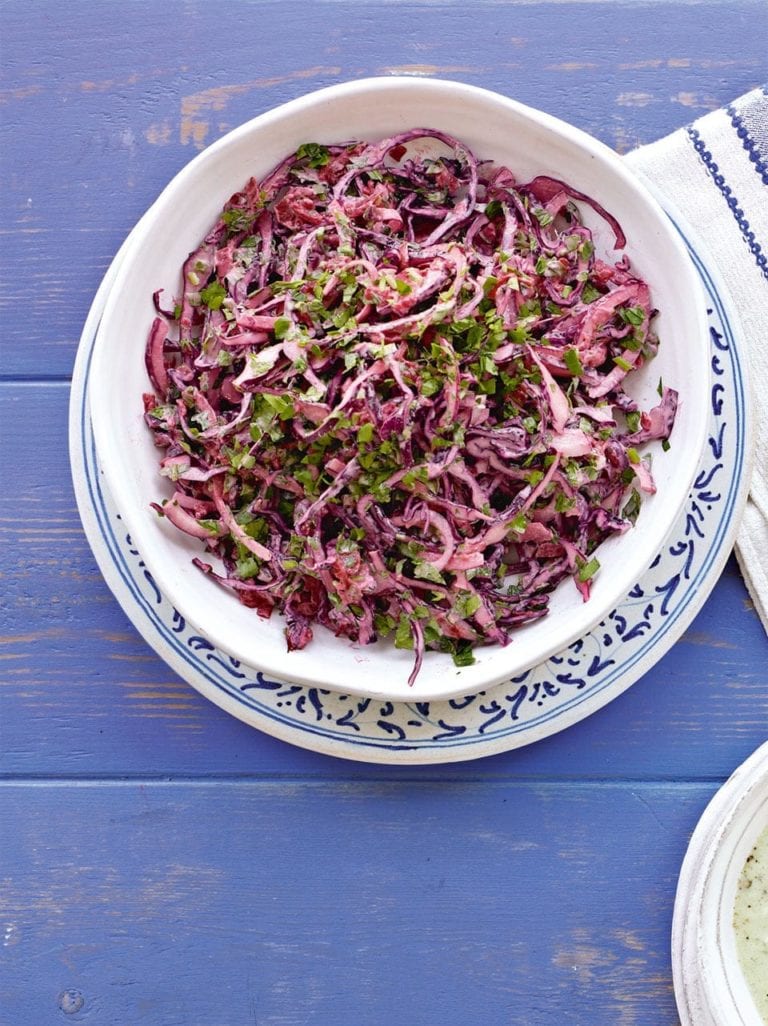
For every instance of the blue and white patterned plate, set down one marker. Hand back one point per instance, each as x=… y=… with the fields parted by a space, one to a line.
x=554 y=695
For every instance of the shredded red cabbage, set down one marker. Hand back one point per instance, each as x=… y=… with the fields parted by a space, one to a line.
x=391 y=395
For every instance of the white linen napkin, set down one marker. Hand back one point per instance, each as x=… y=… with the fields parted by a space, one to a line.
x=715 y=172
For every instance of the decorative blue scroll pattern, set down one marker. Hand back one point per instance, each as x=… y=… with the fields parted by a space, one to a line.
x=588 y=673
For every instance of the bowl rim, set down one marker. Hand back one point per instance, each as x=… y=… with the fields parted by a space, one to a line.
x=710 y=987
x=464 y=681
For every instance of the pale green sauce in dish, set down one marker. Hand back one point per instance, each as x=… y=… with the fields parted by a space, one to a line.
x=750 y=922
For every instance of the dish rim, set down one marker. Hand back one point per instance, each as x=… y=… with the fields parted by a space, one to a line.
x=710 y=987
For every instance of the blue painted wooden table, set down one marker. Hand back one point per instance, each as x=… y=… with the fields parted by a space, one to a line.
x=162 y=863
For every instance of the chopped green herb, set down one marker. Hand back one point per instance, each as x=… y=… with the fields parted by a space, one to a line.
x=572 y=362
x=213 y=295
x=588 y=570
x=633 y=421
x=632 y=314
x=427 y=572
x=467 y=604
x=463 y=655
x=404 y=633
x=632 y=506
x=314 y=154
x=365 y=433
x=282 y=327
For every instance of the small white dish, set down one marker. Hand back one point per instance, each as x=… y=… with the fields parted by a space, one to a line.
x=495 y=127
x=710 y=986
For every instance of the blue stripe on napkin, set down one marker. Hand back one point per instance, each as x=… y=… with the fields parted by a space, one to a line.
x=750 y=123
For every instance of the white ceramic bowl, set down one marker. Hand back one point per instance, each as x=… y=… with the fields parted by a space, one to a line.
x=530 y=143
x=710 y=987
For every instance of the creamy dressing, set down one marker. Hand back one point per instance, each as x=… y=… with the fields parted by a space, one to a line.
x=750 y=922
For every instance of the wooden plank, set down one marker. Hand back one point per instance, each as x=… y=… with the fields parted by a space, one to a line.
x=351 y=904
x=94 y=124
x=82 y=693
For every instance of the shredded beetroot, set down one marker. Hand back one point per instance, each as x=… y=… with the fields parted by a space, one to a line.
x=391 y=395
